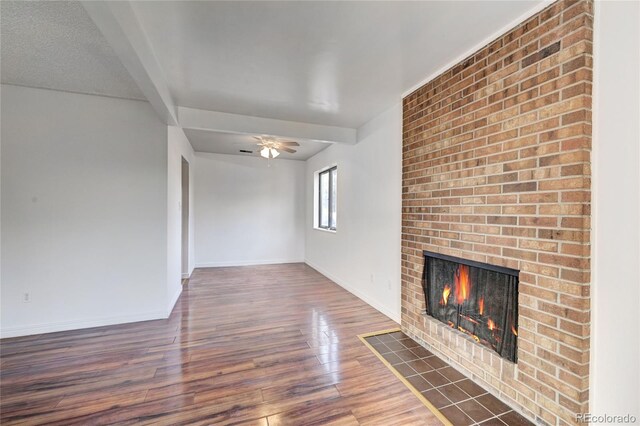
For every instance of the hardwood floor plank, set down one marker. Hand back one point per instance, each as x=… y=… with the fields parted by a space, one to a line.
x=257 y=345
x=320 y=413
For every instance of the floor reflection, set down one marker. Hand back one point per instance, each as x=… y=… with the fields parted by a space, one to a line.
x=329 y=344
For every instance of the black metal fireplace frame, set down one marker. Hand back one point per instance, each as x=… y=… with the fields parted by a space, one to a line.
x=500 y=269
x=487 y=266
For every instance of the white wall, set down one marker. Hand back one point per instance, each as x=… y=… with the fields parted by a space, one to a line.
x=84 y=211
x=364 y=254
x=177 y=148
x=615 y=354
x=247 y=213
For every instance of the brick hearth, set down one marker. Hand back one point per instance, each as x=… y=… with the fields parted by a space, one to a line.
x=496 y=168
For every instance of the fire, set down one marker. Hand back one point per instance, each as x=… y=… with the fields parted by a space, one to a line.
x=481 y=305
x=491 y=325
x=463 y=284
x=514 y=331
x=465 y=331
x=445 y=295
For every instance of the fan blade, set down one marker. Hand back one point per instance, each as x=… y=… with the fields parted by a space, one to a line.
x=285 y=149
x=289 y=143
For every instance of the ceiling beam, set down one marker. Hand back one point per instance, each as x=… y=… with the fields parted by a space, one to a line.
x=118 y=23
x=191 y=118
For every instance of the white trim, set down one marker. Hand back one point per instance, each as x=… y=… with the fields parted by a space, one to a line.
x=485 y=42
x=331 y=231
x=603 y=141
x=394 y=316
x=74 y=92
x=194 y=118
x=595 y=206
x=324 y=169
x=77 y=325
x=185 y=276
x=246 y=263
x=172 y=304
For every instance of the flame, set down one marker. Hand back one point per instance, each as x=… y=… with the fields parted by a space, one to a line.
x=463 y=285
x=514 y=331
x=465 y=331
x=491 y=325
x=481 y=305
x=445 y=295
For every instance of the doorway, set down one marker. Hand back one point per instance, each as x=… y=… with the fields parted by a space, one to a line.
x=185 y=218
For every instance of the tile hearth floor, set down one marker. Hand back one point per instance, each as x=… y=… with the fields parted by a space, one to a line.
x=457 y=398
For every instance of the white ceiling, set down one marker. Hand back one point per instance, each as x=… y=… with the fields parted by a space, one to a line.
x=312 y=70
x=55 y=45
x=230 y=143
x=332 y=63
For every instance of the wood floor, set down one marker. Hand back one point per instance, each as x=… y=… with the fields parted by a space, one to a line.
x=259 y=345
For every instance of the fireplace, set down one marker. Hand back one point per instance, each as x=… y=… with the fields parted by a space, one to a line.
x=478 y=299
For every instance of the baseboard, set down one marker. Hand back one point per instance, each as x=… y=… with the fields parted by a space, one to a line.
x=173 y=301
x=247 y=263
x=186 y=275
x=77 y=325
x=365 y=298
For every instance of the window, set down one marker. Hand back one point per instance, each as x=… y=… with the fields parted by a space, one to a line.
x=327 y=198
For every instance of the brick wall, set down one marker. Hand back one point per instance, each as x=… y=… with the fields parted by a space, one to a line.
x=496 y=168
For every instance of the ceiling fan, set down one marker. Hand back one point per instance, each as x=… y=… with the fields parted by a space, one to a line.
x=269 y=146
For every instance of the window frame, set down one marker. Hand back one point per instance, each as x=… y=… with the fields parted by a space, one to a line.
x=331 y=201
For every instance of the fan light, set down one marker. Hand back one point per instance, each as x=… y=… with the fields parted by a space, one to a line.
x=269 y=147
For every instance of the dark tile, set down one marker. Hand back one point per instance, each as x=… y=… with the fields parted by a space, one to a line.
x=421 y=352
x=514 y=419
x=385 y=338
x=420 y=366
x=492 y=422
x=396 y=346
x=409 y=343
x=398 y=335
x=406 y=355
x=392 y=358
x=435 y=362
x=471 y=388
x=405 y=370
x=436 y=379
x=493 y=404
x=454 y=393
x=371 y=339
x=419 y=383
x=451 y=374
x=474 y=410
x=381 y=348
x=436 y=398
x=456 y=416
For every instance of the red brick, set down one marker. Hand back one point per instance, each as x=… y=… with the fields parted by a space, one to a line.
x=496 y=168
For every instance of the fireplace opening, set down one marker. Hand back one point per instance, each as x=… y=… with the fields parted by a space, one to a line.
x=478 y=299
